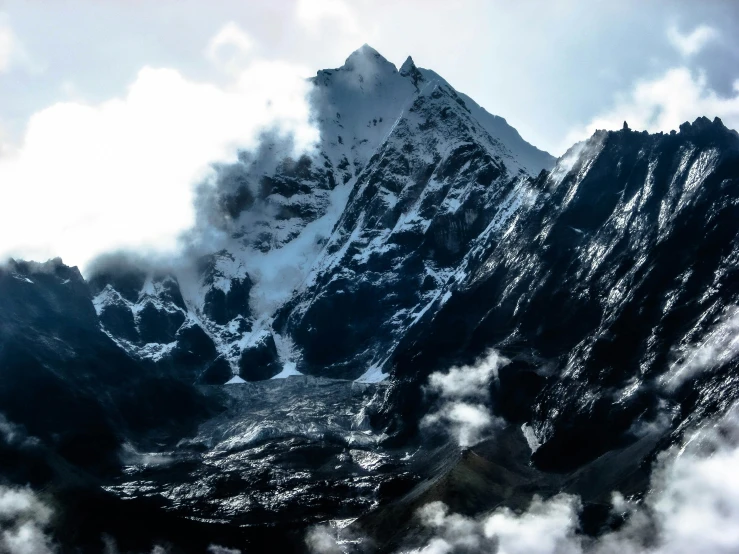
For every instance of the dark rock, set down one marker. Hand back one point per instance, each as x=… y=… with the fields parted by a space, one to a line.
x=217 y=373
x=260 y=360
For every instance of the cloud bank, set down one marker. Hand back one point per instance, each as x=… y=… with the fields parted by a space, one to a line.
x=120 y=174
x=692 y=506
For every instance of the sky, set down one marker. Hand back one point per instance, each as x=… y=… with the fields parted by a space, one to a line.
x=129 y=101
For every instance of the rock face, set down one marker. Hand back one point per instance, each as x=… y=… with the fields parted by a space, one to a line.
x=608 y=290
x=422 y=232
x=69 y=384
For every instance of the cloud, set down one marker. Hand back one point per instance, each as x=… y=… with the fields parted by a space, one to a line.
x=215 y=549
x=664 y=103
x=692 y=506
x=321 y=540
x=6 y=46
x=453 y=532
x=693 y=503
x=23 y=522
x=468 y=380
x=92 y=178
x=546 y=527
x=313 y=14
x=462 y=392
x=335 y=539
x=229 y=46
x=468 y=423
x=693 y=42
x=719 y=346
x=13 y=53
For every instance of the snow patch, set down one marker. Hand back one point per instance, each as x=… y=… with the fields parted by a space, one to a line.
x=374 y=373
x=288 y=370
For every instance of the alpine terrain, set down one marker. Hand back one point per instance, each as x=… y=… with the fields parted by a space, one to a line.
x=426 y=309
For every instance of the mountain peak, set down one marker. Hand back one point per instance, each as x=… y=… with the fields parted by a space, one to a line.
x=409 y=69
x=408 y=66
x=366 y=57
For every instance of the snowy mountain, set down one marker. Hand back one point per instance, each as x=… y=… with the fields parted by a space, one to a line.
x=405 y=166
x=338 y=319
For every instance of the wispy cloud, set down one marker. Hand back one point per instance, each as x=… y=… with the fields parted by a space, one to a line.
x=313 y=14
x=7 y=41
x=718 y=347
x=689 y=44
x=463 y=393
x=13 y=53
x=230 y=47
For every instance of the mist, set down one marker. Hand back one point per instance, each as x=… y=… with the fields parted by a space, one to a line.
x=122 y=174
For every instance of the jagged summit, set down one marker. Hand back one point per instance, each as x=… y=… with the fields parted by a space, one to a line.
x=408 y=66
x=367 y=58
x=368 y=93
x=703 y=125
x=409 y=70
x=701 y=130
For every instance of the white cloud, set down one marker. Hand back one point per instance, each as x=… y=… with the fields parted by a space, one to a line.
x=6 y=46
x=546 y=527
x=664 y=103
x=321 y=539
x=692 y=506
x=215 y=549
x=333 y=538
x=719 y=346
x=23 y=521
x=692 y=42
x=468 y=423
x=13 y=53
x=91 y=178
x=453 y=531
x=693 y=503
x=468 y=380
x=230 y=46
x=463 y=392
x=313 y=14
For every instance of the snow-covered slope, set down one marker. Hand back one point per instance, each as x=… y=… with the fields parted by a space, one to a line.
x=527 y=155
x=434 y=184
x=402 y=156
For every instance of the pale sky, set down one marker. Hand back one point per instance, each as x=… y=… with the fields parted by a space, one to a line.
x=100 y=97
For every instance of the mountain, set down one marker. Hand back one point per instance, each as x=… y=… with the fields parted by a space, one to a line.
x=404 y=164
x=281 y=374
x=604 y=291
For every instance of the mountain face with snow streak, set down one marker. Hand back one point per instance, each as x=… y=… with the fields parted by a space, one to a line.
x=407 y=173
x=597 y=293
x=612 y=291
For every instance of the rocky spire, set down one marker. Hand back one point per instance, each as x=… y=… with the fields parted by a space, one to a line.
x=409 y=69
